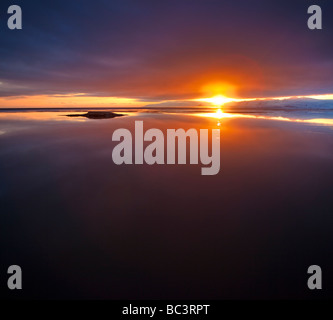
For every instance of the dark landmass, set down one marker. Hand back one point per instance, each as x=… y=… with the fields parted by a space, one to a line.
x=97 y=115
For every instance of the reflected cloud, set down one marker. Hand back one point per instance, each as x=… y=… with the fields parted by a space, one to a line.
x=219 y=114
x=38 y=116
x=76 y=116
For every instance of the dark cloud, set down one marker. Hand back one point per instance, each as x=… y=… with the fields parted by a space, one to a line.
x=166 y=49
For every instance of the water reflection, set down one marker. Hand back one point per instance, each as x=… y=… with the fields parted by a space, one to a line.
x=82 y=227
x=219 y=114
x=38 y=116
x=301 y=117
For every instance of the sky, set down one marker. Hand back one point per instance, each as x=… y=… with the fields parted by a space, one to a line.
x=102 y=52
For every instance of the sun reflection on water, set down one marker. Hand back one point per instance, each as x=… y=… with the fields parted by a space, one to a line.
x=219 y=114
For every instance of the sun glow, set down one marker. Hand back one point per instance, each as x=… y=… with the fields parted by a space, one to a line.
x=218 y=100
x=219 y=114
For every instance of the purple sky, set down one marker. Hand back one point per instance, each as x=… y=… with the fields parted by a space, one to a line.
x=161 y=50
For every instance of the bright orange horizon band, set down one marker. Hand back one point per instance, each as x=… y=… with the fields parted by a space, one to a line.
x=82 y=100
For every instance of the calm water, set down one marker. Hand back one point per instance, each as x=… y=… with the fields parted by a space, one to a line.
x=82 y=227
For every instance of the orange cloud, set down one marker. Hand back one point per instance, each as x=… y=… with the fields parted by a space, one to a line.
x=67 y=101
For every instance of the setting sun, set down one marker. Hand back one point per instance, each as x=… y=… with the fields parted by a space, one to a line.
x=218 y=100
x=219 y=114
